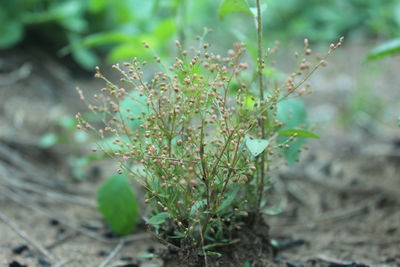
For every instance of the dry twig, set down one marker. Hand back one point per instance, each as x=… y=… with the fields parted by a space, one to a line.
x=5 y=219
x=113 y=253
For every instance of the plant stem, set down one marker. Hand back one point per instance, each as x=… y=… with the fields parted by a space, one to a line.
x=182 y=21
x=261 y=92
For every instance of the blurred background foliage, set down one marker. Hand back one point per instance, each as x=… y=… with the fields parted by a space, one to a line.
x=89 y=30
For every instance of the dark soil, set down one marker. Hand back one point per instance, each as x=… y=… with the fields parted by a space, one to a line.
x=253 y=247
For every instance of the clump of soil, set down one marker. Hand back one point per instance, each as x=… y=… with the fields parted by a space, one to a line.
x=253 y=247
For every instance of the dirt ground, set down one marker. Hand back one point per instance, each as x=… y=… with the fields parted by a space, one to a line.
x=341 y=202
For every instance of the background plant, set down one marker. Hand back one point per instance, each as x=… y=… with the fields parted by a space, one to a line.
x=93 y=29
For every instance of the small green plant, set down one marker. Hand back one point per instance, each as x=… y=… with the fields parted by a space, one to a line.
x=200 y=139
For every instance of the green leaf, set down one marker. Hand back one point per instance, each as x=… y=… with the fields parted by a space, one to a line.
x=129 y=50
x=65 y=10
x=67 y=122
x=256 y=146
x=213 y=254
x=272 y=211
x=146 y=256
x=106 y=38
x=253 y=10
x=109 y=145
x=197 y=205
x=158 y=219
x=97 y=5
x=386 y=49
x=48 y=140
x=81 y=136
x=228 y=201
x=298 y=132
x=132 y=106
x=165 y=30
x=293 y=114
x=11 y=32
x=118 y=205
x=250 y=101
x=74 y=24
x=78 y=165
x=234 y=6
x=86 y=58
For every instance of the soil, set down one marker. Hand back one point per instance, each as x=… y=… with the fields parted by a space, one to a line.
x=341 y=202
x=253 y=246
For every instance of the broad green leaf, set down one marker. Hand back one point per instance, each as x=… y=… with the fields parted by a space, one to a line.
x=118 y=205
x=228 y=201
x=158 y=219
x=386 y=49
x=234 y=6
x=299 y=132
x=256 y=146
x=293 y=114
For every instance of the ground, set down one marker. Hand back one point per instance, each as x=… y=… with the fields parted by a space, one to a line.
x=341 y=202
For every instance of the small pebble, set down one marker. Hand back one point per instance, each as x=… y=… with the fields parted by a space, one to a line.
x=16 y=264
x=54 y=222
x=109 y=235
x=43 y=262
x=102 y=253
x=19 y=249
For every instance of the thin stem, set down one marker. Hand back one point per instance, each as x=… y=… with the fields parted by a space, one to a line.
x=261 y=92
x=182 y=21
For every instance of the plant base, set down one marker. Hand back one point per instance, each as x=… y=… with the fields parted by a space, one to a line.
x=254 y=248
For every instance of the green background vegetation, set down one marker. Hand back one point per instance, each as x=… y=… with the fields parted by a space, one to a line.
x=92 y=29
